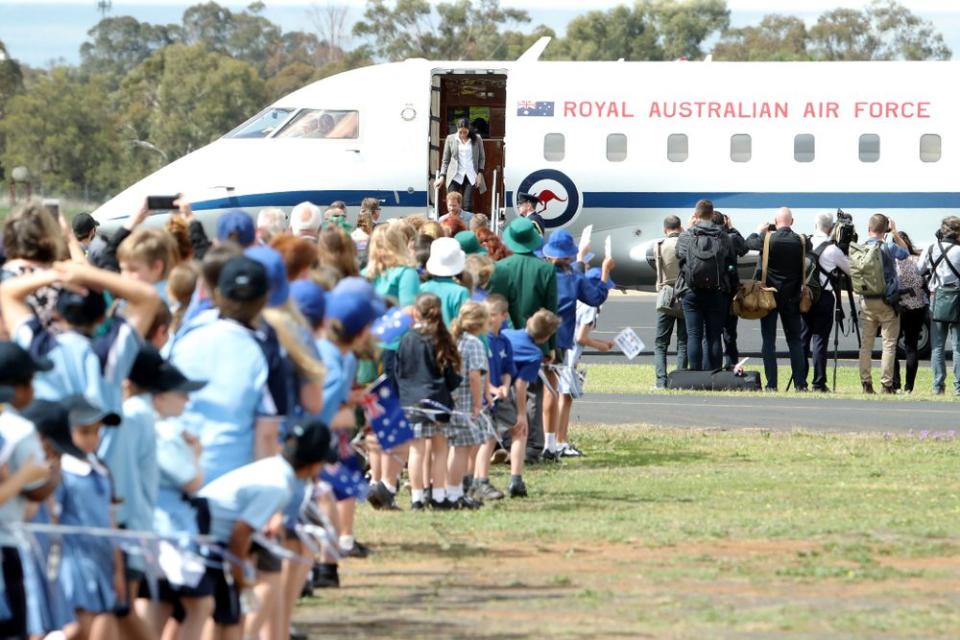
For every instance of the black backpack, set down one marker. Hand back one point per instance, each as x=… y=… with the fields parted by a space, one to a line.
x=705 y=266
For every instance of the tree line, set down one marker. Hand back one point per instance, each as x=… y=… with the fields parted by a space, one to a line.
x=145 y=94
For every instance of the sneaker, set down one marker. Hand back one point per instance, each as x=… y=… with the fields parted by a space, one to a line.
x=569 y=451
x=533 y=458
x=326 y=576
x=500 y=456
x=391 y=502
x=550 y=456
x=868 y=388
x=358 y=550
x=466 y=502
x=484 y=491
x=517 y=489
x=417 y=505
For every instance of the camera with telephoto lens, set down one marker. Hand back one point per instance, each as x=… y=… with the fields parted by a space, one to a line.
x=844 y=232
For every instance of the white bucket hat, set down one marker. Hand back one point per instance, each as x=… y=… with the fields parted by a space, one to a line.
x=446 y=258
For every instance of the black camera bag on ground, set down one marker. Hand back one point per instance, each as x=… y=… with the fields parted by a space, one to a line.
x=719 y=380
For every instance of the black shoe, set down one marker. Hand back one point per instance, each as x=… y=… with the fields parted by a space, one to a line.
x=823 y=389
x=441 y=505
x=307 y=591
x=483 y=490
x=428 y=495
x=887 y=391
x=417 y=505
x=298 y=635
x=326 y=576
x=517 y=489
x=358 y=550
x=533 y=459
x=378 y=496
x=550 y=456
x=391 y=503
x=467 y=484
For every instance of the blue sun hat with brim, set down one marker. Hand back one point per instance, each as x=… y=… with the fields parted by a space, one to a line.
x=272 y=261
x=560 y=245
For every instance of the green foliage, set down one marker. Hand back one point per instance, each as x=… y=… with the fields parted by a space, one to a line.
x=775 y=38
x=65 y=132
x=117 y=45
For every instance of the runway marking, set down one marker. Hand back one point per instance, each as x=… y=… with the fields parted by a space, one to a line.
x=738 y=406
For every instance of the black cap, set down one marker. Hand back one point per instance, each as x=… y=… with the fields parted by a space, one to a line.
x=152 y=373
x=527 y=197
x=83 y=224
x=243 y=279
x=18 y=366
x=81 y=309
x=53 y=420
x=308 y=442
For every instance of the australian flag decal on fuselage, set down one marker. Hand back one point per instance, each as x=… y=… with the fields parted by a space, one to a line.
x=529 y=108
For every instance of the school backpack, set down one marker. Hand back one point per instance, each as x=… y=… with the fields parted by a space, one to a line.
x=866 y=270
x=812 y=271
x=706 y=254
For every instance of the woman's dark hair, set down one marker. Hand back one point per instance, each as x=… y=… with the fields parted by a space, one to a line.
x=32 y=233
x=907 y=241
x=431 y=324
x=421 y=249
x=950 y=228
x=463 y=123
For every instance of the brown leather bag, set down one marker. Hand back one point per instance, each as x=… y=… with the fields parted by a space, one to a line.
x=806 y=295
x=754 y=299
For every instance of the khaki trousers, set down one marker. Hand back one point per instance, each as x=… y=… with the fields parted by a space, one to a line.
x=877 y=313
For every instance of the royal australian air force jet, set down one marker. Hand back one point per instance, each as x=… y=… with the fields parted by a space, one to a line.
x=615 y=145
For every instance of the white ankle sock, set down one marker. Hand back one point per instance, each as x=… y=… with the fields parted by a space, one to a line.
x=551 y=444
x=416 y=495
x=438 y=495
x=454 y=492
x=346 y=542
x=390 y=487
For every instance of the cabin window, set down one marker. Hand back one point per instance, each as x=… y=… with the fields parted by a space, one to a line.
x=930 y=147
x=323 y=123
x=554 y=147
x=741 y=147
x=678 y=147
x=262 y=124
x=616 y=147
x=869 y=147
x=804 y=147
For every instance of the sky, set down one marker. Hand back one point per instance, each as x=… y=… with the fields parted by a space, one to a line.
x=41 y=31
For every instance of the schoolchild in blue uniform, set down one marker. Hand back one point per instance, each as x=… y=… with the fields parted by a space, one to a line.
x=155 y=388
x=234 y=414
x=572 y=286
x=527 y=356
x=244 y=500
x=91 y=567
x=25 y=454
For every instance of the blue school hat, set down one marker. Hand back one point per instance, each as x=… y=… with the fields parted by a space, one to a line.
x=153 y=374
x=18 y=366
x=310 y=298
x=272 y=261
x=239 y=224
x=353 y=310
x=363 y=287
x=596 y=273
x=243 y=279
x=560 y=245
x=52 y=421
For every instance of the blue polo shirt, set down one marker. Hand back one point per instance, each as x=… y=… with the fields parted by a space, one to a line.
x=250 y=494
x=341 y=372
x=571 y=287
x=136 y=474
x=527 y=354
x=501 y=359
x=76 y=367
x=224 y=412
x=177 y=465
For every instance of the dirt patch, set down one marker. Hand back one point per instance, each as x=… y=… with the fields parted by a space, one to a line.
x=718 y=588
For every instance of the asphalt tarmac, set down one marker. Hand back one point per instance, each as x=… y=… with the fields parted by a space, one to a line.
x=784 y=411
x=776 y=413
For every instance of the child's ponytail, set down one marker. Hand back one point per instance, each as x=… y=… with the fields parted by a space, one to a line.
x=431 y=324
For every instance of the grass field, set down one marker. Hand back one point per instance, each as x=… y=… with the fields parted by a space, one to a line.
x=640 y=378
x=669 y=533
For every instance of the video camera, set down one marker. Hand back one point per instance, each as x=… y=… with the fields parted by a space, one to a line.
x=844 y=232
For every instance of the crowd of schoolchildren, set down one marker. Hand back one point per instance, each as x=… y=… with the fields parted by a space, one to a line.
x=186 y=421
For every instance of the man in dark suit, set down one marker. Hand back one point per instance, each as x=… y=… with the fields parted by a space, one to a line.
x=785 y=272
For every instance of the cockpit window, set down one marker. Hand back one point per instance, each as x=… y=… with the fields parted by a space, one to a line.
x=323 y=123
x=262 y=124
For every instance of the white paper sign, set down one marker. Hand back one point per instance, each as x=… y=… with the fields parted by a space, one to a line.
x=181 y=568
x=607 y=247
x=585 y=237
x=629 y=343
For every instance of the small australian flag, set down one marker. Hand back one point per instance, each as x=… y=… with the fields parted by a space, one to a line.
x=392 y=325
x=530 y=108
x=382 y=406
x=346 y=479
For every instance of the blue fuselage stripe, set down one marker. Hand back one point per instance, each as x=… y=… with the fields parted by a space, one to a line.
x=623 y=199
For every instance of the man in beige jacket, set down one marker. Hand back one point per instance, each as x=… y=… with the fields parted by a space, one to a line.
x=668 y=268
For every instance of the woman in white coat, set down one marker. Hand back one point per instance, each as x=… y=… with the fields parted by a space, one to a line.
x=463 y=161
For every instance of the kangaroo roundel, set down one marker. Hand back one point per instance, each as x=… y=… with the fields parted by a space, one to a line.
x=559 y=197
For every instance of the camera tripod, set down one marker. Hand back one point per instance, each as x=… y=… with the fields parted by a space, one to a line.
x=841 y=283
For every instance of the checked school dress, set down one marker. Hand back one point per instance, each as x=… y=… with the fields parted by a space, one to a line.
x=464 y=431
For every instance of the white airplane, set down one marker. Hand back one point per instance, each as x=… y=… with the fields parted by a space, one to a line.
x=615 y=145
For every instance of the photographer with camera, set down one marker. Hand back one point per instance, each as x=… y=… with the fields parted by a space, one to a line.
x=873 y=269
x=731 y=354
x=940 y=264
x=817 y=323
x=785 y=273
